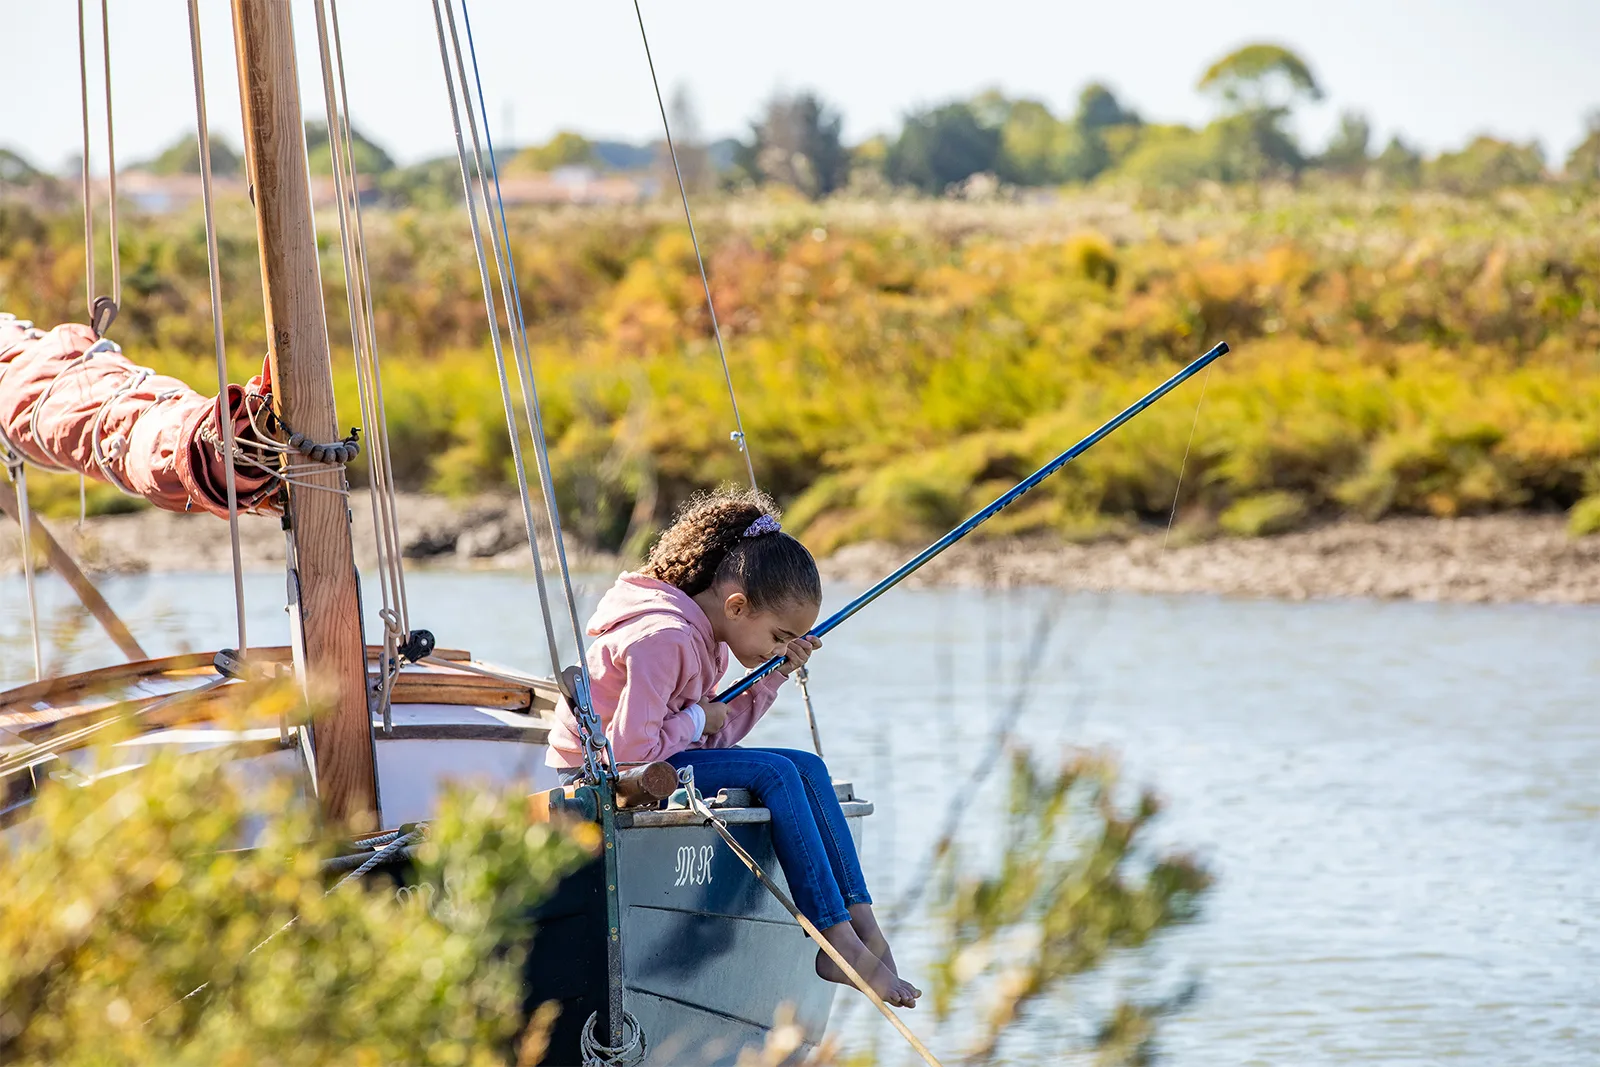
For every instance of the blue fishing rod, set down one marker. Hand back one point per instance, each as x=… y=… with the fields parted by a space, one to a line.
x=1000 y=504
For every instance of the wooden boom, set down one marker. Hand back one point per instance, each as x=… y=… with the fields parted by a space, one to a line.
x=324 y=593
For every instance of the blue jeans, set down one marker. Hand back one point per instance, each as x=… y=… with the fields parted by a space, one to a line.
x=808 y=828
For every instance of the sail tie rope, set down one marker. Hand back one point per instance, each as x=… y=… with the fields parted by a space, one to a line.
x=802 y=677
x=51 y=461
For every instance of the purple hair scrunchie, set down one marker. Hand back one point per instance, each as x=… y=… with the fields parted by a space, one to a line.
x=766 y=524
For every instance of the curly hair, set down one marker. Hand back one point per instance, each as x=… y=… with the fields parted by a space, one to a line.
x=706 y=543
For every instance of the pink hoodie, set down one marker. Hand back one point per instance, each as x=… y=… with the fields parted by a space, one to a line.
x=652 y=656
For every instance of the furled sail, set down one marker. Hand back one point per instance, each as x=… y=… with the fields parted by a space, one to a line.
x=70 y=401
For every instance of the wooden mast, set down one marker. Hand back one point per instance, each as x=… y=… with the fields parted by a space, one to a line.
x=330 y=654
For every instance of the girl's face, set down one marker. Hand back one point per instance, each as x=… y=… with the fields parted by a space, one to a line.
x=756 y=636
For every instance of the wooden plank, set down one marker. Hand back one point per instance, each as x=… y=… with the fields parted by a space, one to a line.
x=414 y=690
x=61 y=561
x=535 y=733
x=332 y=657
x=102 y=679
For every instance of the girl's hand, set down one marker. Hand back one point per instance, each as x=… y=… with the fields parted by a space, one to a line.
x=799 y=650
x=716 y=717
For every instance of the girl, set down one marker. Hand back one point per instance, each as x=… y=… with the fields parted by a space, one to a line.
x=725 y=579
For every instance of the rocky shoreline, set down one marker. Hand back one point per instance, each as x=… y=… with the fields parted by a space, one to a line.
x=1507 y=558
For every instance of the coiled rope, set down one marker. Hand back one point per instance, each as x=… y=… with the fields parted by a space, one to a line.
x=628 y=1054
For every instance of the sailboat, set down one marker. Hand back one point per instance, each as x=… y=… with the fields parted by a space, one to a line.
x=679 y=943
x=669 y=950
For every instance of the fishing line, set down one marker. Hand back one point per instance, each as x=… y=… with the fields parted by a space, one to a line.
x=1173 y=515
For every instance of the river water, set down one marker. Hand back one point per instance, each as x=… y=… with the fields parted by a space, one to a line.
x=1400 y=801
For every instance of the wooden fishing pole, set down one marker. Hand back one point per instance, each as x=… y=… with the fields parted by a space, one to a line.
x=1005 y=499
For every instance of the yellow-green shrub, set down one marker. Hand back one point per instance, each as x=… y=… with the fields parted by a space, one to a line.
x=120 y=898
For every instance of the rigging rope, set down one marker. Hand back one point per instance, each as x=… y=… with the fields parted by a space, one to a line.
x=802 y=677
x=378 y=438
x=111 y=159
x=395 y=612
x=19 y=476
x=499 y=356
x=597 y=744
x=102 y=310
x=705 y=282
x=214 y=268
x=698 y=805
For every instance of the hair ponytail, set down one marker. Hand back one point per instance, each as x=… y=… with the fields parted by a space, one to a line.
x=733 y=534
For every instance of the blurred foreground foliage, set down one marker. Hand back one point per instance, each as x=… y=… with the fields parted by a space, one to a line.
x=898 y=362
x=1076 y=883
x=120 y=898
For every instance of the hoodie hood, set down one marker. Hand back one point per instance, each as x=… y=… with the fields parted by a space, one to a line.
x=635 y=595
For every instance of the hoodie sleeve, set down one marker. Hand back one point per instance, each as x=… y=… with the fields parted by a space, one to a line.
x=645 y=727
x=745 y=710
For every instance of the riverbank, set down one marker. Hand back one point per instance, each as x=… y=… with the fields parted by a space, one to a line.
x=1504 y=558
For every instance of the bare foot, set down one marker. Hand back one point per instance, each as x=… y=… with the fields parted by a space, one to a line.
x=865 y=924
x=872 y=970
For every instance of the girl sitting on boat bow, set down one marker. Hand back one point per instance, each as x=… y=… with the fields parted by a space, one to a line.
x=725 y=579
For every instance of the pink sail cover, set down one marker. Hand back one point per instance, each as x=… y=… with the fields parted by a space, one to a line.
x=69 y=402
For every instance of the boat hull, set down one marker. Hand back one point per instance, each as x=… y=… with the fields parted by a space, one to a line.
x=711 y=960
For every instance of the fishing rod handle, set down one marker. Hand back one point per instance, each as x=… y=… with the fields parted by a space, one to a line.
x=994 y=507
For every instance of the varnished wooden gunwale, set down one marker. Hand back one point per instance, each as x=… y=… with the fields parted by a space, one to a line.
x=42 y=712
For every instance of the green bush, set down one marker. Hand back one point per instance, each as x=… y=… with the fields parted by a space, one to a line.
x=1263 y=515
x=1393 y=353
x=120 y=898
x=1584 y=518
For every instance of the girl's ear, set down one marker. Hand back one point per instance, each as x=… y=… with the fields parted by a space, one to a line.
x=736 y=606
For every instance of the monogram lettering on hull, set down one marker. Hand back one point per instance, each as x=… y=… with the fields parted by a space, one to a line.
x=694 y=864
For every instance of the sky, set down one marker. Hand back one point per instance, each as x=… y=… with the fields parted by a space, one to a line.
x=1437 y=71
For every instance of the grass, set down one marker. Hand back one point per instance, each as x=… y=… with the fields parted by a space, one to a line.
x=898 y=363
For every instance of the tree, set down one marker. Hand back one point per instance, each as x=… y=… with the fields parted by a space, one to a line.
x=1036 y=148
x=369 y=158
x=1487 y=164
x=1258 y=85
x=797 y=142
x=565 y=149
x=1583 y=162
x=16 y=170
x=1099 y=108
x=694 y=161
x=1261 y=77
x=940 y=147
x=1348 y=151
x=183 y=157
x=1399 y=163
